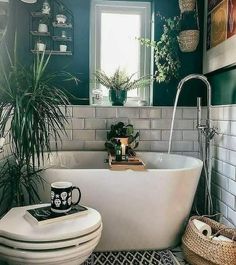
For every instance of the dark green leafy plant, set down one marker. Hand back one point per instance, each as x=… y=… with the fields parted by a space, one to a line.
x=31 y=105
x=120 y=130
x=166 y=50
x=18 y=183
x=120 y=80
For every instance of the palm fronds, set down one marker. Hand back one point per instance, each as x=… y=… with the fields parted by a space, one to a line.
x=32 y=116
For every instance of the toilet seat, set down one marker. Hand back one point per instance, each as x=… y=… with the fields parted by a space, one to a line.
x=50 y=245
x=69 y=241
x=49 y=255
x=58 y=231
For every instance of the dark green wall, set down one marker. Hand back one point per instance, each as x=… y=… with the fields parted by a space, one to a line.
x=163 y=94
x=223 y=84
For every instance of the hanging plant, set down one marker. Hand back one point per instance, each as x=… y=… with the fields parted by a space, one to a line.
x=166 y=50
x=189 y=33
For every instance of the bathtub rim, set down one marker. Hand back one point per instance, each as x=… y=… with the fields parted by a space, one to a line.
x=199 y=162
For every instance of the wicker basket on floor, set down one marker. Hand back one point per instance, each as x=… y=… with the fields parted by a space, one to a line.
x=200 y=250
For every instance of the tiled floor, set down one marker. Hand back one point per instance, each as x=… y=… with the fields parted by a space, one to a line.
x=138 y=258
x=179 y=256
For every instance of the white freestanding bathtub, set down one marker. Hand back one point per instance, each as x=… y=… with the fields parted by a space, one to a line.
x=140 y=209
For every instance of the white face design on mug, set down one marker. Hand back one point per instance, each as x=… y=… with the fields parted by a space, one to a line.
x=64 y=195
x=57 y=202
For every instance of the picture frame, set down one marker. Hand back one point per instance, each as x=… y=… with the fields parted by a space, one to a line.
x=219 y=49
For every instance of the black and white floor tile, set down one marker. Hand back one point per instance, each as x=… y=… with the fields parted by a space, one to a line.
x=148 y=257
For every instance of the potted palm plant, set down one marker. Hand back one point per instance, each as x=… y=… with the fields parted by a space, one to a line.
x=31 y=107
x=119 y=83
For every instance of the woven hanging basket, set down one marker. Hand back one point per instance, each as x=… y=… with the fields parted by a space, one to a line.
x=201 y=250
x=187 y=5
x=188 y=40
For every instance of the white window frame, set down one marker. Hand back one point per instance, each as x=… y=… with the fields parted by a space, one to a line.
x=141 y=8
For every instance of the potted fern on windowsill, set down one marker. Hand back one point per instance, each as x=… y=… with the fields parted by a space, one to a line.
x=119 y=84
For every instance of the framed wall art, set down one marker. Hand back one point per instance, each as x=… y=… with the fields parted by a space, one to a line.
x=220 y=35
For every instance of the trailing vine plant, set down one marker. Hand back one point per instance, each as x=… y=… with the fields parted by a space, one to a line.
x=166 y=50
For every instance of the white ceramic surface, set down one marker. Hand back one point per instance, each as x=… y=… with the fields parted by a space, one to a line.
x=51 y=245
x=67 y=229
x=76 y=254
x=43 y=28
x=140 y=210
x=41 y=47
x=63 y=48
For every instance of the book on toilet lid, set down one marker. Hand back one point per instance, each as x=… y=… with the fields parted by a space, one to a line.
x=44 y=215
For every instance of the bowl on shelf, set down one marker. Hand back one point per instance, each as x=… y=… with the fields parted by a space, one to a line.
x=61 y=19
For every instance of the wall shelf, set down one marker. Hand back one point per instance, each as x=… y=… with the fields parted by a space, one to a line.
x=39 y=15
x=56 y=31
x=62 y=25
x=36 y=33
x=68 y=53
x=58 y=38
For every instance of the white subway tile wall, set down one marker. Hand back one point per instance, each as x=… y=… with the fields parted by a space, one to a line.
x=89 y=125
x=224 y=163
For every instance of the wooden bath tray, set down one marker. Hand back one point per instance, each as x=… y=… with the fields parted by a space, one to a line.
x=133 y=163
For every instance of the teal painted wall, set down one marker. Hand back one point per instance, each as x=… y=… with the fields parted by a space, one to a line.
x=163 y=94
x=223 y=84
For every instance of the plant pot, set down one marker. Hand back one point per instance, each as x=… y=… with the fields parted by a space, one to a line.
x=63 y=48
x=61 y=19
x=117 y=97
x=41 y=47
x=188 y=40
x=43 y=28
x=187 y=5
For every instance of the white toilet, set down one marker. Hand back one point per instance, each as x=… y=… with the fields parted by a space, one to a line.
x=68 y=242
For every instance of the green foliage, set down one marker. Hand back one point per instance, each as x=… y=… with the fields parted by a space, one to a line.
x=18 y=183
x=166 y=50
x=31 y=116
x=120 y=80
x=120 y=130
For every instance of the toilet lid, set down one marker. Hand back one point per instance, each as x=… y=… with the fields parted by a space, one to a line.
x=53 y=245
x=57 y=256
x=14 y=226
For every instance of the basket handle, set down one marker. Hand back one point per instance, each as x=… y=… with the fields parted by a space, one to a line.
x=212 y=215
x=222 y=229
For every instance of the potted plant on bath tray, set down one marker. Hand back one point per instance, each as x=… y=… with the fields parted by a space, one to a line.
x=119 y=83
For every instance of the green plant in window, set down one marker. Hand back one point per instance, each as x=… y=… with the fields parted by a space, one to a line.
x=166 y=50
x=121 y=80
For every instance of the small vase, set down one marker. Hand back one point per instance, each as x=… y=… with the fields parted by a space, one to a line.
x=63 y=48
x=43 y=28
x=117 y=97
x=41 y=47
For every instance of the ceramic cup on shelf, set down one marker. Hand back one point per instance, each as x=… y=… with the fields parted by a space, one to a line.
x=61 y=196
x=43 y=28
x=41 y=47
x=61 y=19
x=63 y=48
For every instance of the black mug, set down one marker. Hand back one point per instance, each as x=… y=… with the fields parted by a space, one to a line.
x=61 y=197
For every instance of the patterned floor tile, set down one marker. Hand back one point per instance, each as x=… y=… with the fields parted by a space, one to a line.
x=148 y=257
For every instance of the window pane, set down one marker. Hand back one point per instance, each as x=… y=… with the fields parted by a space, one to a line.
x=119 y=46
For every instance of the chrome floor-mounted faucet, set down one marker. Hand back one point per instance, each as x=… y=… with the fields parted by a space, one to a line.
x=206 y=131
